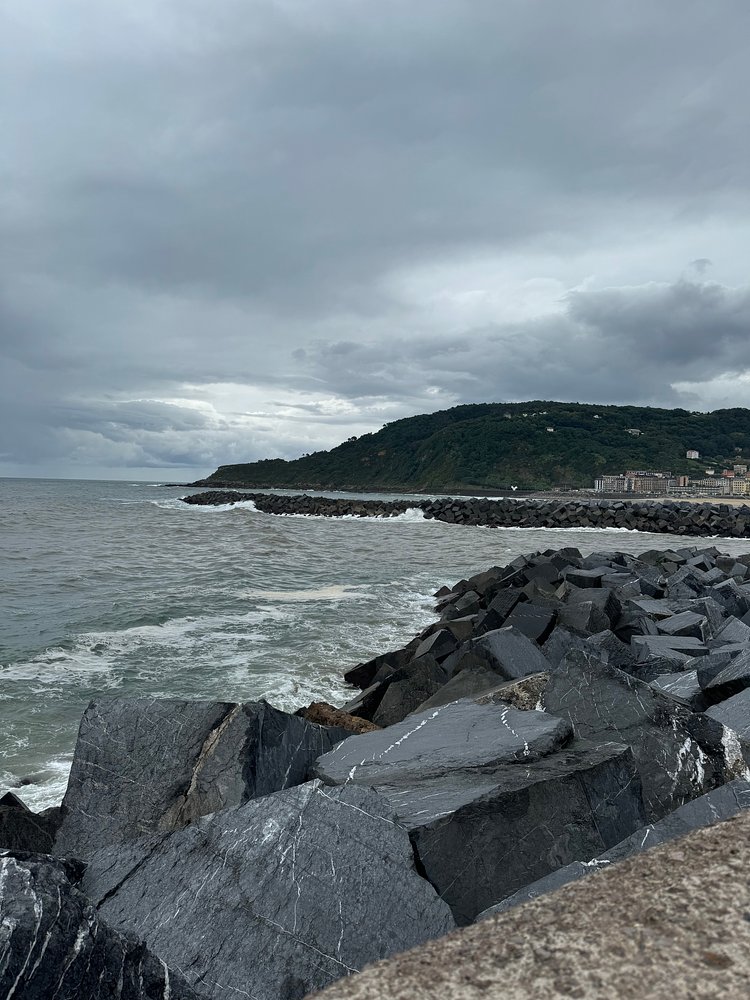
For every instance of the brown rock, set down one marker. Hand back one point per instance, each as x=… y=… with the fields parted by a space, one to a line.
x=324 y=714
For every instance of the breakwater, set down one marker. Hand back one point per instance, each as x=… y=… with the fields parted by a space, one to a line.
x=681 y=518
x=563 y=713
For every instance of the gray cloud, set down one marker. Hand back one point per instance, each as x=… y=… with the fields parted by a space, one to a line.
x=226 y=236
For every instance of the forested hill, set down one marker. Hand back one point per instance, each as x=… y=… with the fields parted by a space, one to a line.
x=494 y=446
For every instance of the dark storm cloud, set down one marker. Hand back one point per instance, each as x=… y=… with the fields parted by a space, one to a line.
x=218 y=219
x=617 y=345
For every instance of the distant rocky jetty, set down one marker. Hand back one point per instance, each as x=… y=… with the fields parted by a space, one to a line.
x=563 y=713
x=683 y=518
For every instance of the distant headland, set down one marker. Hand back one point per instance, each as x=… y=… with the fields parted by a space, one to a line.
x=507 y=447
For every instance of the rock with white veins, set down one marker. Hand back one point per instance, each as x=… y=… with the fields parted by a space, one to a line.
x=676 y=758
x=481 y=834
x=274 y=898
x=53 y=944
x=145 y=765
x=720 y=804
x=491 y=796
x=460 y=735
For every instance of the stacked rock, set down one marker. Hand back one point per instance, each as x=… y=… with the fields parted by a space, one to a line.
x=698 y=519
x=563 y=713
x=278 y=503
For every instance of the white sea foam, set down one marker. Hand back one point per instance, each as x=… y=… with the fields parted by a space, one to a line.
x=411 y=514
x=57 y=666
x=335 y=592
x=47 y=787
x=248 y=505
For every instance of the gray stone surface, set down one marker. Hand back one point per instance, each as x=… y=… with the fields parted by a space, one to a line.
x=648 y=646
x=481 y=836
x=723 y=682
x=511 y=653
x=560 y=643
x=670 y=923
x=459 y=735
x=143 y=765
x=601 y=701
x=535 y=620
x=273 y=898
x=682 y=687
x=466 y=684
x=719 y=804
x=53 y=944
x=685 y=623
x=24 y=830
x=408 y=688
x=734 y=714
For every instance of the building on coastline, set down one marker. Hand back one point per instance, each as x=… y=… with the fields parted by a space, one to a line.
x=635 y=481
x=730 y=482
x=692 y=453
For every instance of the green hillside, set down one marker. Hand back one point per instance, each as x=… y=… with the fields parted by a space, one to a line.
x=498 y=445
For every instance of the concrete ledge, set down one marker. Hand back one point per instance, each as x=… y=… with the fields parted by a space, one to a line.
x=672 y=923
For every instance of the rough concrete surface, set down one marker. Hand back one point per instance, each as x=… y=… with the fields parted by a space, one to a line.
x=671 y=923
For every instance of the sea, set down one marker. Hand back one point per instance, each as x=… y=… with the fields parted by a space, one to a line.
x=119 y=588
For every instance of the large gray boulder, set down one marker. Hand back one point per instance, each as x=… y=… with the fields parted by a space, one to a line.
x=274 y=898
x=144 y=765
x=480 y=836
x=720 y=804
x=602 y=702
x=54 y=944
x=457 y=736
x=491 y=795
x=24 y=830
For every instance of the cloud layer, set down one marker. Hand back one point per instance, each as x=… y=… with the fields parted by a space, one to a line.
x=232 y=232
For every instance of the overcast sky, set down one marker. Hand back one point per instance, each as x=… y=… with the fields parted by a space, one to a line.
x=241 y=229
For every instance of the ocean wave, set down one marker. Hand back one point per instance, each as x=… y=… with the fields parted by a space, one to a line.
x=413 y=514
x=46 y=787
x=176 y=503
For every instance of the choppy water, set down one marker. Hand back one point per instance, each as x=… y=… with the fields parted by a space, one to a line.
x=118 y=587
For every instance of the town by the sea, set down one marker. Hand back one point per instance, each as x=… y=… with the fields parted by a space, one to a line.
x=120 y=588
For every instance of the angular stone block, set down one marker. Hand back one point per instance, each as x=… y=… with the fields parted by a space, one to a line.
x=585 y=618
x=470 y=683
x=734 y=714
x=685 y=623
x=408 y=688
x=720 y=804
x=510 y=653
x=144 y=765
x=459 y=735
x=603 y=702
x=561 y=642
x=438 y=644
x=275 y=898
x=534 y=620
x=480 y=837
x=24 y=830
x=648 y=646
x=586 y=577
x=682 y=687
x=720 y=681
x=53 y=944
x=363 y=674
